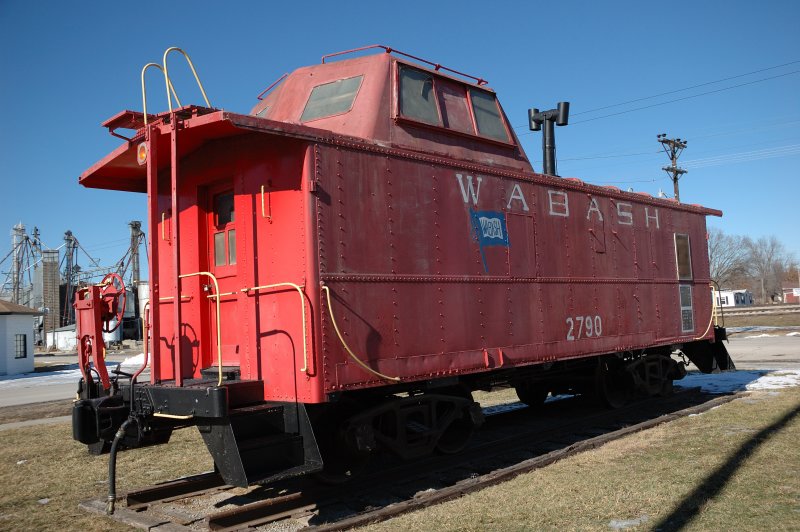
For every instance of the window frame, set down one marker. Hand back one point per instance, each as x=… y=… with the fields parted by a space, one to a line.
x=684 y=308
x=499 y=114
x=399 y=113
x=511 y=141
x=688 y=255
x=23 y=353
x=352 y=103
x=214 y=229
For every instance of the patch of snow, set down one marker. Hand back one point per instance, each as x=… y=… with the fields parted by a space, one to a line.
x=20 y=462
x=43 y=501
x=24 y=380
x=736 y=381
x=622 y=524
x=776 y=380
x=758 y=328
x=763 y=335
x=793 y=334
x=135 y=361
x=64 y=376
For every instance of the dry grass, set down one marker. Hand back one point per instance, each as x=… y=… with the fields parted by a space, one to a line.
x=781 y=320
x=10 y=414
x=645 y=476
x=707 y=470
x=497 y=397
x=43 y=462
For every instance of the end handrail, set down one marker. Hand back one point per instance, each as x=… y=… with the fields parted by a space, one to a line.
x=144 y=92
x=191 y=66
x=299 y=289
x=219 y=317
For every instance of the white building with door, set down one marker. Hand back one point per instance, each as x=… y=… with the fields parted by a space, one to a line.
x=734 y=298
x=16 y=338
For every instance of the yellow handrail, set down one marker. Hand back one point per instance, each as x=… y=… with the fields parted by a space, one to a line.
x=144 y=93
x=299 y=289
x=219 y=318
x=263 y=214
x=713 y=311
x=347 y=347
x=167 y=79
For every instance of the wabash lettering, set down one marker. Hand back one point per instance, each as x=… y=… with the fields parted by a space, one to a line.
x=566 y=204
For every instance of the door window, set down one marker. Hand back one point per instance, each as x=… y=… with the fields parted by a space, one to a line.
x=224 y=230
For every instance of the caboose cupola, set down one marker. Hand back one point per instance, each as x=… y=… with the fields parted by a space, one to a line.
x=398 y=100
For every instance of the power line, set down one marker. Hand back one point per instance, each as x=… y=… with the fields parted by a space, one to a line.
x=768 y=153
x=689 y=97
x=613 y=156
x=694 y=137
x=677 y=99
x=685 y=88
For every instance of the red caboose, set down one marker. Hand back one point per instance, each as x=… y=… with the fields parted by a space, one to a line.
x=339 y=269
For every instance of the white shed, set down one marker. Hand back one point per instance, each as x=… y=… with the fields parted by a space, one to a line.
x=16 y=338
x=63 y=338
x=734 y=298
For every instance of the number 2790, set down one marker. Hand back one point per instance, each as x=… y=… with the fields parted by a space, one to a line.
x=584 y=327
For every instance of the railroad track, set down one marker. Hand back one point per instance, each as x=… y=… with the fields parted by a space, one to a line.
x=511 y=442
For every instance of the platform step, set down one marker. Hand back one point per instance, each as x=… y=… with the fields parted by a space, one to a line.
x=229 y=373
x=263 y=443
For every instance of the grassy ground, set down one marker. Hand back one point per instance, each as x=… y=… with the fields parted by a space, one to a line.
x=783 y=320
x=10 y=414
x=736 y=467
x=44 y=474
x=725 y=469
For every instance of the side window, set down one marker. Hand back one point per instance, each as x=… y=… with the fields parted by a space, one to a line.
x=417 y=96
x=332 y=98
x=224 y=230
x=20 y=346
x=453 y=103
x=487 y=115
x=449 y=104
x=687 y=311
x=683 y=257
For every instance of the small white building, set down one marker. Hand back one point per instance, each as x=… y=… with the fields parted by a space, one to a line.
x=63 y=338
x=16 y=338
x=734 y=298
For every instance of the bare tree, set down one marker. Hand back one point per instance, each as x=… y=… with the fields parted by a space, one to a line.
x=727 y=257
x=767 y=261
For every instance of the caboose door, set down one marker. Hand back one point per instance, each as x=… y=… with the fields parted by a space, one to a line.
x=222 y=263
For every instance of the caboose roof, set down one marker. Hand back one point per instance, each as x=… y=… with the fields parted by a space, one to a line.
x=358 y=102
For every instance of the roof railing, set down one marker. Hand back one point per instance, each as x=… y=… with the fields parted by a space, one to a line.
x=191 y=66
x=144 y=92
x=436 y=66
x=168 y=82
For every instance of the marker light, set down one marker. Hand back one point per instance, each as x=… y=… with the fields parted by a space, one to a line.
x=141 y=153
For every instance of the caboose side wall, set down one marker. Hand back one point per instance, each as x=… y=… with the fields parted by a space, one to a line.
x=261 y=328
x=421 y=289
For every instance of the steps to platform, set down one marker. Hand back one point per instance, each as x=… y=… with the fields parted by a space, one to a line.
x=262 y=443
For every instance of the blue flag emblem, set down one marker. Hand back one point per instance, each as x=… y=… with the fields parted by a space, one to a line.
x=490 y=230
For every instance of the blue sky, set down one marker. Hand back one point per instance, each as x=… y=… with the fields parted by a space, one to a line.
x=67 y=66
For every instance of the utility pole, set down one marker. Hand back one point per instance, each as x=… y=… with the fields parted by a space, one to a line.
x=136 y=231
x=70 y=252
x=17 y=243
x=558 y=117
x=673 y=148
